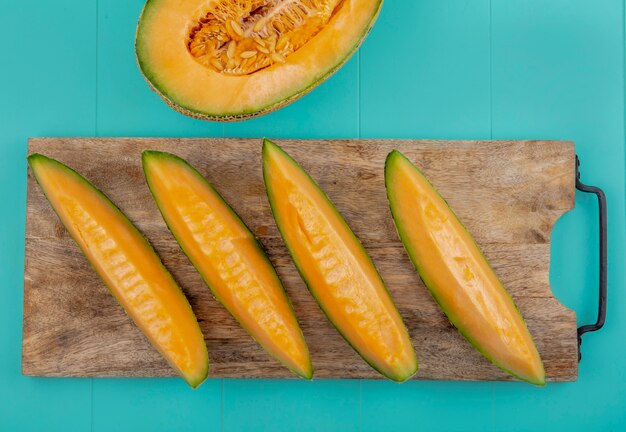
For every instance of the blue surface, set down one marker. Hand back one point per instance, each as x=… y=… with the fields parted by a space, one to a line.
x=430 y=69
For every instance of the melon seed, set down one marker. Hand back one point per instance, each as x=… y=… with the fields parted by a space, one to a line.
x=232 y=46
x=247 y=54
x=277 y=58
x=217 y=64
x=236 y=28
x=258 y=26
x=281 y=43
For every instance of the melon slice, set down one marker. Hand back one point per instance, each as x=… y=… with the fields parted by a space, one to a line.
x=228 y=256
x=128 y=265
x=237 y=59
x=457 y=274
x=335 y=267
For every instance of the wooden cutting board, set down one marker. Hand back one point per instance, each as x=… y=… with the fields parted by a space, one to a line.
x=508 y=193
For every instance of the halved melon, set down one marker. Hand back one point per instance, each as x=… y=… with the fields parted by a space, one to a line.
x=236 y=59
x=457 y=274
x=128 y=265
x=228 y=256
x=338 y=272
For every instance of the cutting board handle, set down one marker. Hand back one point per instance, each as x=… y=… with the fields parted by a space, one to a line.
x=603 y=257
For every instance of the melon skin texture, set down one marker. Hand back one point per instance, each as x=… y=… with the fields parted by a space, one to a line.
x=128 y=265
x=336 y=268
x=457 y=274
x=198 y=91
x=224 y=251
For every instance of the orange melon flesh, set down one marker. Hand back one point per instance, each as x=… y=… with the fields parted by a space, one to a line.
x=336 y=268
x=457 y=274
x=128 y=265
x=228 y=257
x=166 y=63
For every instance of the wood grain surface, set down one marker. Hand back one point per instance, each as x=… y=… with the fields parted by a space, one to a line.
x=508 y=193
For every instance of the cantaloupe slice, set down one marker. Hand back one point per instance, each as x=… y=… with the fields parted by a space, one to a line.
x=457 y=274
x=228 y=256
x=128 y=265
x=237 y=59
x=336 y=268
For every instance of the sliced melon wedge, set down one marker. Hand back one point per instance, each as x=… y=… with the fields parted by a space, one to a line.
x=338 y=272
x=228 y=256
x=457 y=274
x=237 y=59
x=128 y=265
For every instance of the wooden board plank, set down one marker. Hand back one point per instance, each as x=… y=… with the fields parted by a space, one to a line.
x=508 y=194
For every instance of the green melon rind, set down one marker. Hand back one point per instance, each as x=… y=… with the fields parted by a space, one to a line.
x=150 y=155
x=161 y=90
x=36 y=160
x=393 y=158
x=269 y=146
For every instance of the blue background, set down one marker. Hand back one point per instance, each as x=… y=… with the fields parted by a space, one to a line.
x=498 y=69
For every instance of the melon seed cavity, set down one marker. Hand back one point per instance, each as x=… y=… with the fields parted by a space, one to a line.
x=241 y=37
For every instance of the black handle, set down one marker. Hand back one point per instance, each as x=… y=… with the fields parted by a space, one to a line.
x=603 y=257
